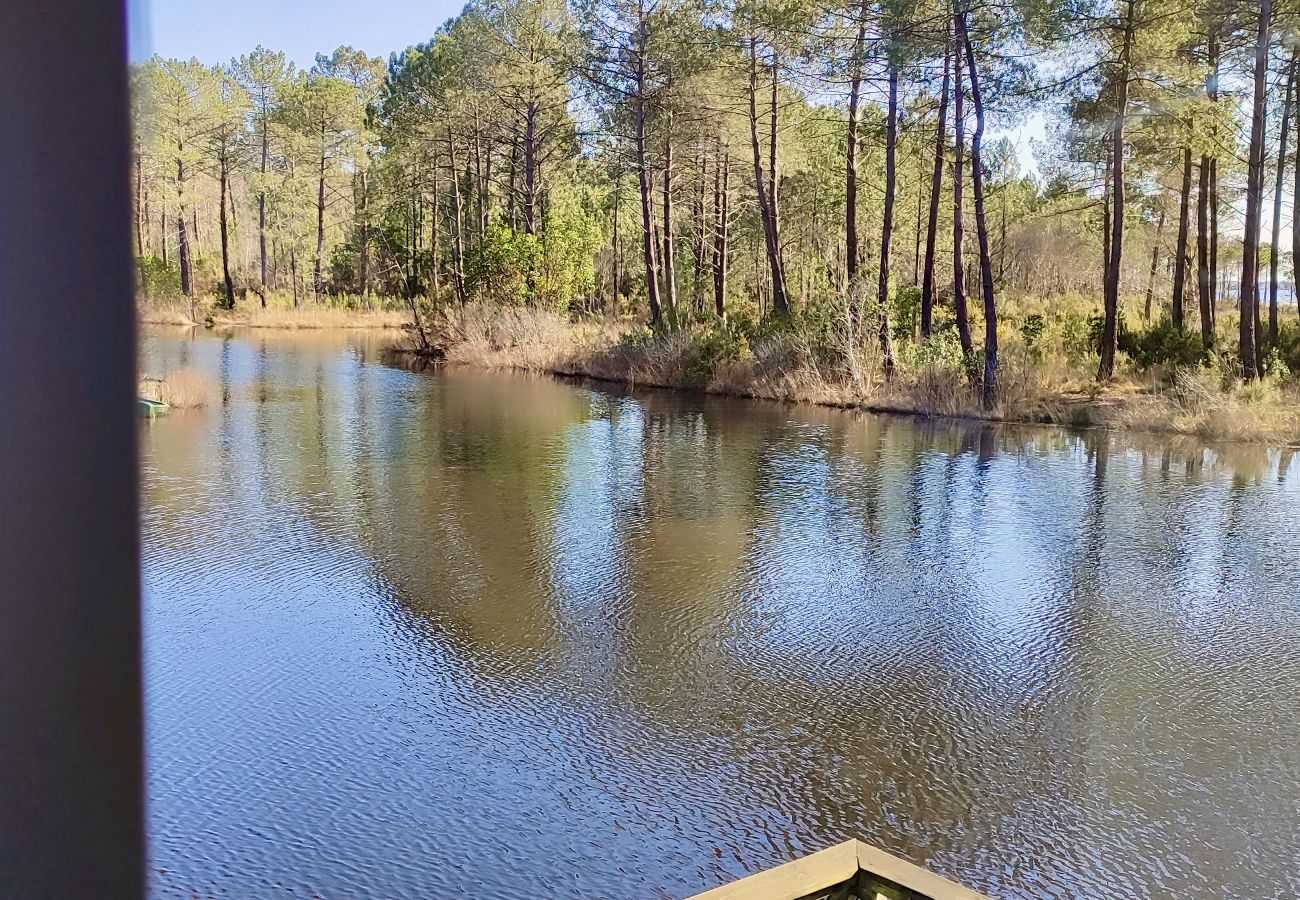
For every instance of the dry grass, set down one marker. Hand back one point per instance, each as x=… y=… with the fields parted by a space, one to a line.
x=1043 y=386
x=279 y=313
x=1198 y=402
x=164 y=312
x=532 y=340
x=183 y=389
x=310 y=316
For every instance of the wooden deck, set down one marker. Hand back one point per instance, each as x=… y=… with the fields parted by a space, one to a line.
x=848 y=871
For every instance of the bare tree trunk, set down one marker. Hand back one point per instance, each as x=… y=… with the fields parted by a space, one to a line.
x=958 y=264
x=1110 y=327
x=669 y=265
x=614 y=285
x=697 y=234
x=989 y=388
x=293 y=274
x=480 y=184
x=139 y=202
x=530 y=168
x=458 y=227
x=643 y=173
x=363 y=262
x=765 y=208
x=320 y=222
x=1105 y=214
x=1277 y=204
x=721 y=198
x=224 y=164
x=1205 y=287
x=1180 y=252
x=435 y=271
x=781 y=305
x=887 y=225
x=932 y=225
x=1155 y=261
x=920 y=211
x=851 y=164
x=182 y=239
x=1254 y=188
x=261 y=211
x=511 y=205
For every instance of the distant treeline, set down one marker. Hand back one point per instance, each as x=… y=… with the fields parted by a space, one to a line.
x=785 y=160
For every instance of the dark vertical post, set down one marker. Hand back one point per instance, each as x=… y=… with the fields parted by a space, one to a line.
x=71 y=804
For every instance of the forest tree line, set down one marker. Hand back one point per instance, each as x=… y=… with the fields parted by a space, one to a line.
x=682 y=160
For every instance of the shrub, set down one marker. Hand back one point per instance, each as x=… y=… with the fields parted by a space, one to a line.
x=708 y=350
x=1031 y=332
x=1161 y=344
x=157 y=278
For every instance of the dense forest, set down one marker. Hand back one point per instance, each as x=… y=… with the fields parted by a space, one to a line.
x=736 y=169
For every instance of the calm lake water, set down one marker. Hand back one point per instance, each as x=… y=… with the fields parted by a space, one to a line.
x=459 y=634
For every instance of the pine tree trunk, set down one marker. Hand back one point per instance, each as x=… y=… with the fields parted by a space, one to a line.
x=458 y=226
x=480 y=185
x=932 y=224
x=139 y=203
x=780 y=300
x=320 y=222
x=261 y=211
x=1205 y=286
x=643 y=175
x=887 y=225
x=1155 y=262
x=363 y=263
x=670 y=266
x=224 y=164
x=1180 y=251
x=851 y=166
x=530 y=168
x=512 y=194
x=614 y=281
x=765 y=208
x=989 y=387
x=1110 y=326
x=435 y=270
x=182 y=239
x=1254 y=188
x=721 y=198
x=1277 y=204
x=697 y=235
x=958 y=256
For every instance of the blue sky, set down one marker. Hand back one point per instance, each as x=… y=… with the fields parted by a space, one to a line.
x=217 y=31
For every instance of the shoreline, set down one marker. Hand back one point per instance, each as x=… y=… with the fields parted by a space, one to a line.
x=1086 y=414
x=561 y=352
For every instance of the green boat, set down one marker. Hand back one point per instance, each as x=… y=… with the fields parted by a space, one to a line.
x=152 y=408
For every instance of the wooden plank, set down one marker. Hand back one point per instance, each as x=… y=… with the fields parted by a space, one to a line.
x=913 y=877
x=835 y=865
x=814 y=872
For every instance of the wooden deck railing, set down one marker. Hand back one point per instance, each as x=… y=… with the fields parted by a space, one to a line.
x=848 y=871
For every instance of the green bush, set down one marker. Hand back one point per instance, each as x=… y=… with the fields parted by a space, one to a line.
x=708 y=349
x=157 y=278
x=1161 y=344
x=1031 y=332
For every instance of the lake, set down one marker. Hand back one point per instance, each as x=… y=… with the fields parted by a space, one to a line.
x=453 y=633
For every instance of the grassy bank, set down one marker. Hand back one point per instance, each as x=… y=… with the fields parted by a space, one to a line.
x=1047 y=373
x=347 y=312
x=1048 y=366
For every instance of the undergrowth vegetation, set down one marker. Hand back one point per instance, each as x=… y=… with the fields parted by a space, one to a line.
x=1049 y=356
